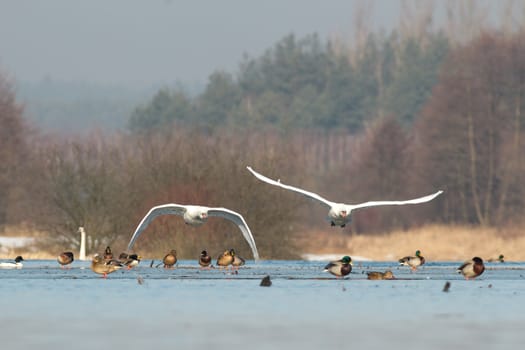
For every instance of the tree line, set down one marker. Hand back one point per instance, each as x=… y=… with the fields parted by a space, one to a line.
x=402 y=119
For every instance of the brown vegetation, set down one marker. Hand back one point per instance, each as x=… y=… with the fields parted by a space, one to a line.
x=436 y=242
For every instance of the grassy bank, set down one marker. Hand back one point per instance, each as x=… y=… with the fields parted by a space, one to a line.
x=436 y=242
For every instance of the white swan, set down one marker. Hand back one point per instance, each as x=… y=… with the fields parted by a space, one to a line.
x=339 y=213
x=196 y=215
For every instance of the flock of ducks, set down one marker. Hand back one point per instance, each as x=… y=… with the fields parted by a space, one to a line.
x=339 y=214
x=105 y=264
x=469 y=269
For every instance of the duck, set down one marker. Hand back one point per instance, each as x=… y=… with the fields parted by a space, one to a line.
x=376 y=275
x=226 y=258
x=339 y=213
x=108 y=255
x=340 y=268
x=472 y=268
x=104 y=267
x=266 y=281
x=16 y=264
x=237 y=260
x=130 y=260
x=413 y=261
x=170 y=259
x=205 y=259
x=500 y=259
x=65 y=258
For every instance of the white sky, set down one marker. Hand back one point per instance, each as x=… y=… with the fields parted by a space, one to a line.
x=157 y=41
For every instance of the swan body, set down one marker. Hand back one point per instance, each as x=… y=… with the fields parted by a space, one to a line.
x=196 y=215
x=339 y=213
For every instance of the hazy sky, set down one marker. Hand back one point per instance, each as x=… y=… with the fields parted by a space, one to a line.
x=157 y=41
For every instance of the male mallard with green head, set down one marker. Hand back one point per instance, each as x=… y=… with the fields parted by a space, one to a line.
x=376 y=275
x=500 y=259
x=205 y=259
x=226 y=258
x=170 y=259
x=65 y=258
x=472 y=268
x=413 y=261
x=340 y=268
x=103 y=267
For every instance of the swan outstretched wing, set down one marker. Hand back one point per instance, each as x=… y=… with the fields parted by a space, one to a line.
x=410 y=201
x=175 y=209
x=239 y=220
x=311 y=195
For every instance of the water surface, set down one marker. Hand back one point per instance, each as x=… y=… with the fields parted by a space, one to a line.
x=305 y=308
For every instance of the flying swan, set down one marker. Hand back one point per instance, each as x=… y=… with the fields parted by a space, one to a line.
x=195 y=215
x=339 y=213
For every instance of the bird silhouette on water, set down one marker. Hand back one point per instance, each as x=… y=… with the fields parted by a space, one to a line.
x=266 y=281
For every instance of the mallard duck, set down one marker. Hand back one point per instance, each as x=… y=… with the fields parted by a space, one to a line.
x=170 y=259
x=225 y=258
x=237 y=260
x=500 y=259
x=413 y=261
x=16 y=264
x=65 y=258
x=204 y=259
x=108 y=255
x=339 y=213
x=340 y=268
x=103 y=267
x=376 y=275
x=472 y=268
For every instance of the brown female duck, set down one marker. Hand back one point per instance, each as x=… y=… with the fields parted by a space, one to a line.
x=376 y=275
x=170 y=259
x=103 y=267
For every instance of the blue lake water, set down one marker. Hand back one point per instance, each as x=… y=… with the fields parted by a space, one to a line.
x=305 y=308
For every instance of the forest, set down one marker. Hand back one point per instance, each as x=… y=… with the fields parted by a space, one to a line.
x=390 y=116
